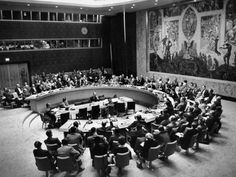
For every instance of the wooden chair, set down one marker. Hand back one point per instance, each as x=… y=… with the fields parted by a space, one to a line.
x=66 y=163
x=153 y=154
x=100 y=164
x=43 y=164
x=169 y=149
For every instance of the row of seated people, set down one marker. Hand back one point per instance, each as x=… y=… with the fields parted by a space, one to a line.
x=17 y=97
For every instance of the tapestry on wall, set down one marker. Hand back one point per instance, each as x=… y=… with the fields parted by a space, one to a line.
x=216 y=57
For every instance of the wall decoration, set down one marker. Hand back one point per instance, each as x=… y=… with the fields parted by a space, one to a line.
x=189 y=23
x=174 y=11
x=210 y=33
x=230 y=26
x=172 y=33
x=216 y=57
x=155 y=32
x=208 y=5
x=201 y=6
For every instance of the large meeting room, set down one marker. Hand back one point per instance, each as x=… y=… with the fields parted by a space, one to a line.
x=117 y=88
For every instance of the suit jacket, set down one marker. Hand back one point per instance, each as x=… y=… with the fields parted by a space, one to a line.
x=41 y=153
x=68 y=151
x=74 y=138
x=90 y=140
x=19 y=91
x=99 y=149
x=53 y=141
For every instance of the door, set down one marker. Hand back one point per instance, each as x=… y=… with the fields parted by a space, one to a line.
x=12 y=74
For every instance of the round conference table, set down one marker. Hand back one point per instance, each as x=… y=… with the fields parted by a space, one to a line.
x=140 y=96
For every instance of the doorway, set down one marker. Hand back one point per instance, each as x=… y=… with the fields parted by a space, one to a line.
x=12 y=74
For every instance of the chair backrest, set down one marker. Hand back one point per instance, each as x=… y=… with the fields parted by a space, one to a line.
x=214 y=128
x=95 y=111
x=52 y=148
x=154 y=126
x=153 y=153
x=131 y=105
x=121 y=107
x=43 y=163
x=100 y=161
x=65 y=163
x=83 y=113
x=193 y=140
x=170 y=148
x=64 y=117
x=122 y=159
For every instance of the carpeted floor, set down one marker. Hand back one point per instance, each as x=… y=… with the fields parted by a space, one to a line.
x=20 y=128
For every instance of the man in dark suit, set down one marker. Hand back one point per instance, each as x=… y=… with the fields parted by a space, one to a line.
x=94 y=97
x=90 y=139
x=50 y=140
x=66 y=150
x=33 y=90
x=39 y=152
x=18 y=90
x=75 y=138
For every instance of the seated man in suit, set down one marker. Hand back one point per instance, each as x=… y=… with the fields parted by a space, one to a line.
x=66 y=150
x=50 y=114
x=75 y=138
x=94 y=97
x=138 y=120
x=64 y=103
x=50 y=140
x=39 y=152
x=91 y=139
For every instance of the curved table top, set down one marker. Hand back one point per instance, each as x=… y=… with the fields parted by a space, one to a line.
x=140 y=96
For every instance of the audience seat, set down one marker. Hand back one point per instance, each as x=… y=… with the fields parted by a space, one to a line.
x=100 y=164
x=169 y=149
x=66 y=163
x=43 y=164
x=153 y=154
x=190 y=144
x=122 y=160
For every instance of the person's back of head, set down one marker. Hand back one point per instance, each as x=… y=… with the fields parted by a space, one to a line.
x=49 y=133
x=93 y=130
x=64 y=142
x=37 y=144
x=122 y=140
x=76 y=124
x=104 y=124
x=139 y=117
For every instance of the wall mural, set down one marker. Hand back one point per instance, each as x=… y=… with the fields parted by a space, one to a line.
x=215 y=59
x=201 y=6
x=171 y=39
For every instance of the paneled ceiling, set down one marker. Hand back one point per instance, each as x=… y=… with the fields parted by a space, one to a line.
x=106 y=7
